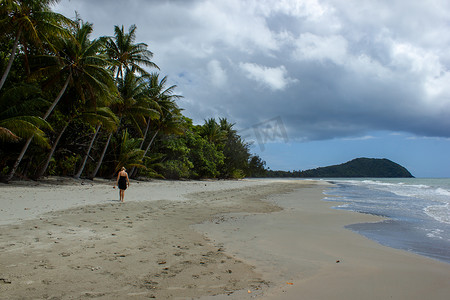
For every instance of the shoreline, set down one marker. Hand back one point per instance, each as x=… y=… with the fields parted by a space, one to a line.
x=306 y=250
x=200 y=239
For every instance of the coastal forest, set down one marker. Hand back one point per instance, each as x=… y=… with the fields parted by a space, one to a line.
x=73 y=105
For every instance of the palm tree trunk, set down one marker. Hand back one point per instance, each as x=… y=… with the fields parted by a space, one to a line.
x=78 y=175
x=151 y=142
x=11 y=58
x=27 y=144
x=145 y=134
x=61 y=92
x=134 y=170
x=133 y=173
x=19 y=159
x=101 y=157
x=52 y=151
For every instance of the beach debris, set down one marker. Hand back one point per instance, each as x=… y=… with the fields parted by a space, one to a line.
x=4 y=280
x=338 y=261
x=249 y=291
x=162 y=262
x=64 y=254
x=26 y=208
x=150 y=284
x=290 y=283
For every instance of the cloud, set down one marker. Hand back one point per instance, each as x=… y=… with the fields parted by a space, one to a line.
x=218 y=75
x=328 y=69
x=361 y=138
x=314 y=47
x=274 y=78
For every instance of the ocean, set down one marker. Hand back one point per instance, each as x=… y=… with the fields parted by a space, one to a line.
x=417 y=212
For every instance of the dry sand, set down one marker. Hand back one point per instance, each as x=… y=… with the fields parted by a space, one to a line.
x=66 y=239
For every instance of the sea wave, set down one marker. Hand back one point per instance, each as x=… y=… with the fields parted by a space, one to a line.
x=440 y=213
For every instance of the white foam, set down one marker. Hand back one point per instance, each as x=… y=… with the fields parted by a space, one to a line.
x=440 y=213
x=435 y=234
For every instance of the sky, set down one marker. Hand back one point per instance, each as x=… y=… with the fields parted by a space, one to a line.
x=308 y=83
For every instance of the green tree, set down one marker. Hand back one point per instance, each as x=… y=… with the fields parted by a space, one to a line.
x=78 y=62
x=126 y=55
x=130 y=155
x=29 y=22
x=133 y=105
x=212 y=131
x=235 y=150
x=18 y=121
x=162 y=99
x=206 y=157
x=102 y=117
x=256 y=167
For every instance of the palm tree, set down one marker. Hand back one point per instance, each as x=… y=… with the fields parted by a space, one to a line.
x=158 y=92
x=103 y=117
x=78 y=62
x=31 y=22
x=212 y=131
x=125 y=55
x=227 y=126
x=16 y=115
x=90 y=117
x=133 y=104
x=130 y=155
x=169 y=120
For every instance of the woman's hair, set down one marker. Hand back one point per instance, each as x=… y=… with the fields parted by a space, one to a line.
x=123 y=169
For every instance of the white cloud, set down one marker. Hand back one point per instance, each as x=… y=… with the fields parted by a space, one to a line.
x=274 y=78
x=218 y=75
x=313 y=47
x=361 y=138
x=234 y=23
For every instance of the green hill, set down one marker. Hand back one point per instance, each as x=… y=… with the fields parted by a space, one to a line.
x=360 y=167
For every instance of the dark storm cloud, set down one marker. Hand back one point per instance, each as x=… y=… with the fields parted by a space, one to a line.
x=328 y=69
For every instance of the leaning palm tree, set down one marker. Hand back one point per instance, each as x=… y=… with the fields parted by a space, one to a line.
x=126 y=55
x=103 y=117
x=133 y=105
x=88 y=117
x=78 y=62
x=158 y=93
x=163 y=100
x=30 y=22
x=130 y=155
x=17 y=119
x=169 y=122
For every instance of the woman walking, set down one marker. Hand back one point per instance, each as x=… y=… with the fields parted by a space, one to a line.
x=122 y=182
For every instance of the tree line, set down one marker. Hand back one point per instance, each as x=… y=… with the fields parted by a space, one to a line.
x=72 y=105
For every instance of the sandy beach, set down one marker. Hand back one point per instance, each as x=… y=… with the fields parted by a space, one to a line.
x=246 y=239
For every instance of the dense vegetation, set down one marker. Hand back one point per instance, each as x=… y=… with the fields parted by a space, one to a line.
x=75 y=106
x=359 y=167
